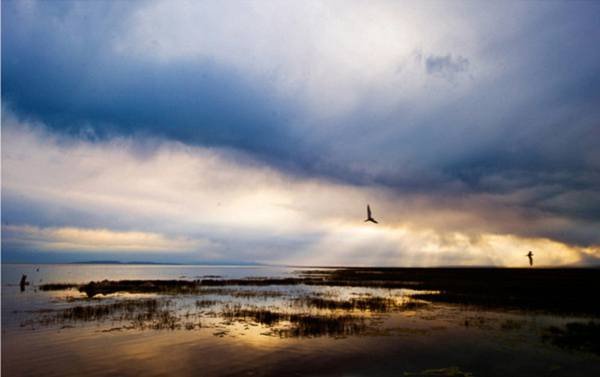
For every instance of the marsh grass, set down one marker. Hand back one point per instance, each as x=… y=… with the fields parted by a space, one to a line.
x=306 y=325
x=106 y=287
x=206 y=303
x=171 y=287
x=156 y=314
x=248 y=294
x=377 y=304
x=511 y=324
x=321 y=311
x=548 y=290
x=121 y=310
x=362 y=303
x=58 y=286
x=575 y=336
x=141 y=313
x=297 y=324
x=446 y=372
x=158 y=320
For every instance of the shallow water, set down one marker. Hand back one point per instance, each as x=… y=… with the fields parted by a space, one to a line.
x=264 y=331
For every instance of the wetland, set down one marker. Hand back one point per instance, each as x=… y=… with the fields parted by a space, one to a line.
x=176 y=320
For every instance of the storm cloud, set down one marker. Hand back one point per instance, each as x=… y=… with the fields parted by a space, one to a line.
x=487 y=114
x=446 y=66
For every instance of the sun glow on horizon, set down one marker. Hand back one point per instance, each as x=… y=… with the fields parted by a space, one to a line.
x=222 y=206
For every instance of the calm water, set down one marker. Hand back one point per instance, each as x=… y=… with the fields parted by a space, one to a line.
x=256 y=331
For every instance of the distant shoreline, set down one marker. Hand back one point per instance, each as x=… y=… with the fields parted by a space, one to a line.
x=257 y=264
x=129 y=263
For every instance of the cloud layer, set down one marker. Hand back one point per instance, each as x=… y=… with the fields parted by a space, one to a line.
x=475 y=119
x=102 y=200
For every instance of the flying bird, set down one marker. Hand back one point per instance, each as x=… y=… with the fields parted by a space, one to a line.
x=369 y=217
x=530 y=255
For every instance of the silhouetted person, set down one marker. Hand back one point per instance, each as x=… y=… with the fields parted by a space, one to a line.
x=530 y=255
x=369 y=217
x=23 y=282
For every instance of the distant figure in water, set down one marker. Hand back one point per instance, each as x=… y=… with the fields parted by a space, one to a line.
x=530 y=255
x=23 y=282
x=369 y=217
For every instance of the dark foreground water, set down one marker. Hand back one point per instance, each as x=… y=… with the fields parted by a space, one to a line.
x=280 y=329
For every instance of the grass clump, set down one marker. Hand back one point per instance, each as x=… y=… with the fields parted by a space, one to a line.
x=105 y=287
x=58 y=286
x=120 y=310
x=445 y=372
x=300 y=324
x=206 y=303
x=365 y=303
x=575 y=336
x=142 y=314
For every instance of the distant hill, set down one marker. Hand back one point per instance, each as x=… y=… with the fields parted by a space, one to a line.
x=120 y=262
x=213 y=263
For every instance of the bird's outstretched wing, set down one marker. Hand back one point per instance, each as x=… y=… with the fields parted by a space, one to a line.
x=368 y=211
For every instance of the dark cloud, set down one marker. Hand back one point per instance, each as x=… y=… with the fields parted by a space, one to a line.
x=528 y=136
x=447 y=67
x=75 y=83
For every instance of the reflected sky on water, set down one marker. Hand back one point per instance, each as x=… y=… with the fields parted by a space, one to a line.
x=271 y=330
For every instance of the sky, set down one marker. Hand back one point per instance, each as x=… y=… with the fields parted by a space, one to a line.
x=258 y=131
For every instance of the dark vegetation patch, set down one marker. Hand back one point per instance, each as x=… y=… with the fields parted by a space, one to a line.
x=215 y=291
x=140 y=286
x=511 y=324
x=142 y=314
x=106 y=287
x=555 y=290
x=82 y=299
x=58 y=286
x=365 y=303
x=298 y=324
x=563 y=291
x=159 y=320
x=259 y=281
x=259 y=315
x=446 y=372
x=240 y=293
x=206 y=303
x=304 y=325
x=256 y=293
x=478 y=321
x=377 y=304
x=122 y=309
x=575 y=336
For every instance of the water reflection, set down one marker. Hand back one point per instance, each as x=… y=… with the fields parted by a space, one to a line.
x=284 y=311
x=272 y=328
